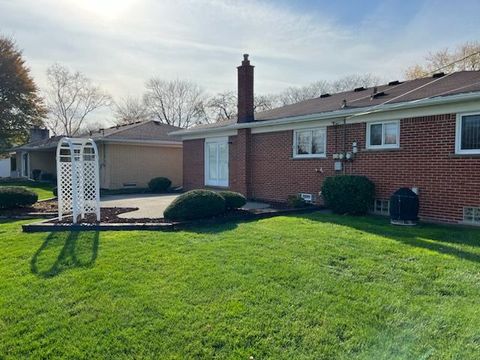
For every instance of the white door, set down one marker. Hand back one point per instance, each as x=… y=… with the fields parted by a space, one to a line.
x=216 y=162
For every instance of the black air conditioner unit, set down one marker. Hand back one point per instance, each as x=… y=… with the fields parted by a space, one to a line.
x=404 y=207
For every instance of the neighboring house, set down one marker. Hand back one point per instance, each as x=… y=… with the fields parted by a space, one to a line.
x=130 y=155
x=423 y=134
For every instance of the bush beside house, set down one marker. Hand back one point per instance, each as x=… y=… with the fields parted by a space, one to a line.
x=348 y=194
x=16 y=196
x=195 y=204
x=233 y=200
x=159 y=184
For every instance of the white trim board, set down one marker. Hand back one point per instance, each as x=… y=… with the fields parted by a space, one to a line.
x=210 y=135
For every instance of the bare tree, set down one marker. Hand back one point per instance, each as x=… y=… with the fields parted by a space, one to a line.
x=265 y=102
x=294 y=95
x=176 y=102
x=130 y=110
x=350 y=82
x=464 y=57
x=223 y=106
x=71 y=97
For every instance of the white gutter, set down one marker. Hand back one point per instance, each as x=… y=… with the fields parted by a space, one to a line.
x=348 y=113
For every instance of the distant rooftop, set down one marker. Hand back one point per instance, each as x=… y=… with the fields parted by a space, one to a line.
x=139 y=131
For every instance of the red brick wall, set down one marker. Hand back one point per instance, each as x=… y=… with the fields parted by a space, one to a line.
x=193 y=169
x=426 y=159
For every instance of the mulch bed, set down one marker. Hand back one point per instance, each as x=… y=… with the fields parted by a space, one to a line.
x=47 y=206
x=109 y=216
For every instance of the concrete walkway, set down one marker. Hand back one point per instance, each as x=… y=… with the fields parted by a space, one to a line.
x=149 y=205
x=153 y=205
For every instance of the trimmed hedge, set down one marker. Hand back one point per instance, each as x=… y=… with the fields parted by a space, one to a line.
x=16 y=196
x=195 y=204
x=233 y=200
x=348 y=194
x=159 y=184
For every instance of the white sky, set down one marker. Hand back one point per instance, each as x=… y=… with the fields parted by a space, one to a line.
x=119 y=44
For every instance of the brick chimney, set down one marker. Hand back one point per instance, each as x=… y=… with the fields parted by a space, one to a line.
x=245 y=91
x=37 y=134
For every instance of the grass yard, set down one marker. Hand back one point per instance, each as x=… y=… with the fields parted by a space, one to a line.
x=298 y=287
x=44 y=190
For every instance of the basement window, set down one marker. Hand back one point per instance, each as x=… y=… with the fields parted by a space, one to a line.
x=383 y=135
x=471 y=215
x=310 y=143
x=468 y=134
x=381 y=207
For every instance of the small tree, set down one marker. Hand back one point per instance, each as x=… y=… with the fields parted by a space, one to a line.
x=20 y=105
x=71 y=97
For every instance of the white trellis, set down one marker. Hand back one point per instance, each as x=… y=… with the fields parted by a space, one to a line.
x=78 y=182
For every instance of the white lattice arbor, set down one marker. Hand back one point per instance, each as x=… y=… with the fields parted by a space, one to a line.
x=78 y=180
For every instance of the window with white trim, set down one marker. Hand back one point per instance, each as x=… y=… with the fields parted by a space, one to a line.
x=310 y=143
x=468 y=134
x=471 y=215
x=216 y=161
x=383 y=135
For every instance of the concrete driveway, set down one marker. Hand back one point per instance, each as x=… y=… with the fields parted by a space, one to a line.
x=149 y=205
x=153 y=205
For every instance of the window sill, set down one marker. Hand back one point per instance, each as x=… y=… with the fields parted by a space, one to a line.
x=381 y=149
x=218 y=187
x=308 y=157
x=457 y=155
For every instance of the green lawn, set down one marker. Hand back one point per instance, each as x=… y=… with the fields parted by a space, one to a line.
x=298 y=287
x=44 y=190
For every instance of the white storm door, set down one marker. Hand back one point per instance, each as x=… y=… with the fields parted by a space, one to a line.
x=216 y=162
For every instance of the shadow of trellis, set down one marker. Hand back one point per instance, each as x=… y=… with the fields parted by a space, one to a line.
x=79 y=250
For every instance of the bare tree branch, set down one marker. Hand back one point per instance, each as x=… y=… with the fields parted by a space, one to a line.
x=71 y=97
x=130 y=110
x=464 y=57
x=177 y=102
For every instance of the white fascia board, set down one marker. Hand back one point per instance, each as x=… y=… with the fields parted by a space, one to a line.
x=421 y=107
x=223 y=132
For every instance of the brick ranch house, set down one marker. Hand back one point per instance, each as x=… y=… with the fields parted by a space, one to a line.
x=423 y=134
x=129 y=155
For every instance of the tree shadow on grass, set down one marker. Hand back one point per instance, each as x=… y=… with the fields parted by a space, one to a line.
x=65 y=250
x=438 y=238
